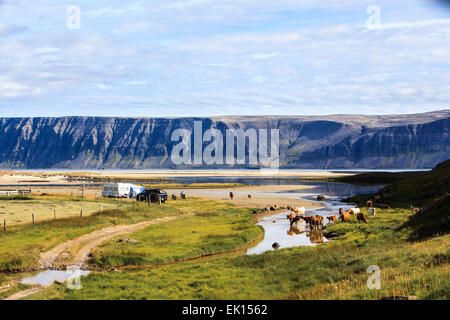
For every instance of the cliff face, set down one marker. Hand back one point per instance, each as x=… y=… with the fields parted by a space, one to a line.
x=405 y=141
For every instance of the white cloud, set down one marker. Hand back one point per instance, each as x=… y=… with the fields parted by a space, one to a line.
x=223 y=57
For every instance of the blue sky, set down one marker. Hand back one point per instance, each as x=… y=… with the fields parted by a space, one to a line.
x=223 y=57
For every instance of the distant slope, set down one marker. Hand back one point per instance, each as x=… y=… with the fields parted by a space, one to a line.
x=319 y=142
x=429 y=191
x=422 y=189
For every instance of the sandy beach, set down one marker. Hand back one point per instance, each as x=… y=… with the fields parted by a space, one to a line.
x=62 y=177
x=261 y=196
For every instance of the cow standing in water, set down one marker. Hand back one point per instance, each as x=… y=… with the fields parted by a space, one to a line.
x=231 y=195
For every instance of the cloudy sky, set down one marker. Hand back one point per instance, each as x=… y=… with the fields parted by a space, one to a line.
x=223 y=57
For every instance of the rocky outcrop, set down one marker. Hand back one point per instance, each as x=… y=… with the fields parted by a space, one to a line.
x=329 y=142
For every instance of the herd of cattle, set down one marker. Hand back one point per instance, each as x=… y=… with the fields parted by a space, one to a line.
x=316 y=222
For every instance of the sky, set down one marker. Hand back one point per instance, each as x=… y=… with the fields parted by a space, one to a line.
x=172 y=58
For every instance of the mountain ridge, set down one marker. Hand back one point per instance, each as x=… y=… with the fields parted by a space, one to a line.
x=306 y=142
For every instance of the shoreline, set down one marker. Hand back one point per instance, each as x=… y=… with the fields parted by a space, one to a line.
x=25 y=177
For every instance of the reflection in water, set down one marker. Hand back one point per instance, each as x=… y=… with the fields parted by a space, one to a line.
x=315 y=236
x=48 y=277
x=296 y=229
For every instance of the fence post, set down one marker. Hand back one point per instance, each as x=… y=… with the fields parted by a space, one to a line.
x=54 y=213
x=81 y=213
x=32 y=217
x=4 y=225
x=159 y=199
x=99 y=208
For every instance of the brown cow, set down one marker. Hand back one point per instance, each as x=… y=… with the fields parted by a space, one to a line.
x=345 y=216
x=332 y=218
x=308 y=220
x=249 y=196
x=386 y=207
x=291 y=217
x=316 y=222
x=231 y=195
x=361 y=217
x=369 y=203
x=295 y=219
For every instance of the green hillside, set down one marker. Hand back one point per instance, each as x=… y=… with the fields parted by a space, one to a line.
x=428 y=191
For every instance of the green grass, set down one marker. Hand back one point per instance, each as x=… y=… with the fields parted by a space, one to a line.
x=334 y=270
x=20 y=211
x=15 y=197
x=21 y=245
x=224 y=228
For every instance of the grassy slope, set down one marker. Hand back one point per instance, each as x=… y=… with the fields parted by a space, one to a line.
x=335 y=270
x=427 y=190
x=420 y=189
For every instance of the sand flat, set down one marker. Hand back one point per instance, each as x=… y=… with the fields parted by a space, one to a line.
x=261 y=196
x=61 y=177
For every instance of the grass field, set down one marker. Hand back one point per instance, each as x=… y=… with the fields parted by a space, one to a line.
x=412 y=252
x=220 y=229
x=16 y=211
x=334 y=270
x=21 y=244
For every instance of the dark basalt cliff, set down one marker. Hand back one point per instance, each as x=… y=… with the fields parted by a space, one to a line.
x=319 y=142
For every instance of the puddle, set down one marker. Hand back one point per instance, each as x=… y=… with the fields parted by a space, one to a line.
x=277 y=227
x=48 y=277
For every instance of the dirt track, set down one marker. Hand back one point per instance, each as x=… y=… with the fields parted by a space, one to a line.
x=59 y=256
x=55 y=258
